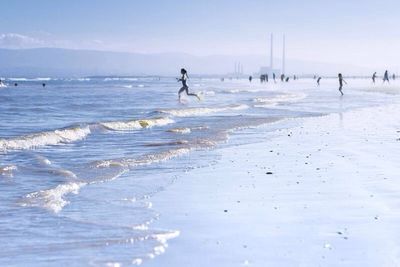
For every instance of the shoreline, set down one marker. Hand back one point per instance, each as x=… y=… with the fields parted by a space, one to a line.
x=323 y=196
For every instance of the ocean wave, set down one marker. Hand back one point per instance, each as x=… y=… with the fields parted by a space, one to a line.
x=180 y=130
x=120 y=79
x=276 y=100
x=44 y=139
x=188 y=112
x=173 y=143
x=51 y=199
x=136 y=124
x=7 y=170
x=141 y=161
x=42 y=79
x=238 y=91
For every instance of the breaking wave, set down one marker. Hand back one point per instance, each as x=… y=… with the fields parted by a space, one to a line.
x=276 y=100
x=188 y=112
x=7 y=170
x=136 y=124
x=180 y=130
x=51 y=199
x=67 y=135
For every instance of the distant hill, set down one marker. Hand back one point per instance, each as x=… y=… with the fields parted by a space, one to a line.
x=40 y=62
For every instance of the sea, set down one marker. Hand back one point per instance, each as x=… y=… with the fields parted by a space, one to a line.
x=81 y=158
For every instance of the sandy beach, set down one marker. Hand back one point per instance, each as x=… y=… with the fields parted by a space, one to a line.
x=323 y=193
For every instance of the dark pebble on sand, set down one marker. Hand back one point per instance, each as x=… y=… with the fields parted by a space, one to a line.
x=268 y=173
x=225 y=210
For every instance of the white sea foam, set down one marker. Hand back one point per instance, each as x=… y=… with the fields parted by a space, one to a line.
x=145 y=160
x=238 y=91
x=7 y=170
x=67 y=135
x=276 y=100
x=18 y=79
x=136 y=124
x=51 y=199
x=180 y=130
x=188 y=112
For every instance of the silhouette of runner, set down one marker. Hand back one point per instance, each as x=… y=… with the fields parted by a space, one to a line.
x=319 y=79
x=185 y=88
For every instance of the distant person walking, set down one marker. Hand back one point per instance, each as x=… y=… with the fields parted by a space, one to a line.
x=374 y=77
x=319 y=79
x=274 y=77
x=185 y=88
x=386 y=77
x=250 y=78
x=341 y=81
x=394 y=77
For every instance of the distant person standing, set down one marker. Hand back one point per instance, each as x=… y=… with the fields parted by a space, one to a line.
x=185 y=88
x=319 y=79
x=282 y=77
x=394 y=76
x=266 y=77
x=250 y=78
x=374 y=77
x=386 y=77
x=341 y=81
x=274 y=77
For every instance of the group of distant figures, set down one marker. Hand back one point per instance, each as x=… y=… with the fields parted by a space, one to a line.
x=264 y=78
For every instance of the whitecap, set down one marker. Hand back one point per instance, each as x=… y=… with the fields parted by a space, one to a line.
x=67 y=135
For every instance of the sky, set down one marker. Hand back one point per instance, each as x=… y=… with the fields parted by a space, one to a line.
x=364 y=33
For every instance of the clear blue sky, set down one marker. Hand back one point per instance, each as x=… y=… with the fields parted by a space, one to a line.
x=362 y=32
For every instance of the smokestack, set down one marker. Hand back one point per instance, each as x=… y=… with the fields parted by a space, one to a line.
x=272 y=52
x=283 y=55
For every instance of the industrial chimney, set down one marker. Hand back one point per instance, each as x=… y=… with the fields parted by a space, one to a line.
x=272 y=52
x=283 y=55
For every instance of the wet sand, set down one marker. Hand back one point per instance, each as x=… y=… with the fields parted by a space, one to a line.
x=325 y=193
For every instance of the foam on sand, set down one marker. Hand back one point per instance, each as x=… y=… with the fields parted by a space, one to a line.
x=55 y=137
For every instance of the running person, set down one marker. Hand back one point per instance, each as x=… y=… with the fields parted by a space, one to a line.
x=185 y=88
x=341 y=80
